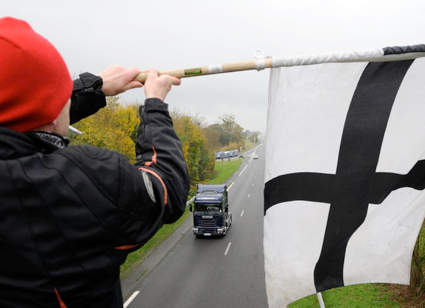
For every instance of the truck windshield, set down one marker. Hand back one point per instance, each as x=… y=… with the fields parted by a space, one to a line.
x=208 y=208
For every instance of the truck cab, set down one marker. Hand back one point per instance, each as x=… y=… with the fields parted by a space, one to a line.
x=211 y=216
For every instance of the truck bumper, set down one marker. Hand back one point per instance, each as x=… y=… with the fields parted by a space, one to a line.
x=209 y=232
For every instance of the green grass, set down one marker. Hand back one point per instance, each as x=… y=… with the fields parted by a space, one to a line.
x=357 y=296
x=225 y=169
x=248 y=144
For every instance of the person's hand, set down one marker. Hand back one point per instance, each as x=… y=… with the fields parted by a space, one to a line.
x=118 y=79
x=159 y=86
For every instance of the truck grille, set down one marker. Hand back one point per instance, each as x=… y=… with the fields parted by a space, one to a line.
x=207 y=222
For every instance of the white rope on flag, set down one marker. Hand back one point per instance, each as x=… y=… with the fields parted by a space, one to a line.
x=368 y=55
x=260 y=60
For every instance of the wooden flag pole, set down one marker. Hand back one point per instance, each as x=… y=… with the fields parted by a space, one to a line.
x=260 y=63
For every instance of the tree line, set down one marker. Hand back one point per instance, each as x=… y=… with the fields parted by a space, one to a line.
x=115 y=126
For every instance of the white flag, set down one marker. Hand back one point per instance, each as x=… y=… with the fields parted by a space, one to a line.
x=345 y=172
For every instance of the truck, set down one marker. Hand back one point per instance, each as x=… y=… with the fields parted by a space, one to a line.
x=211 y=216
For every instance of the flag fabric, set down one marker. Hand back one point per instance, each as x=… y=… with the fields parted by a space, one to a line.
x=345 y=170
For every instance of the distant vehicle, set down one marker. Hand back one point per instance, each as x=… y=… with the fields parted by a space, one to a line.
x=219 y=155
x=211 y=215
x=255 y=156
x=234 y=153
x=226 y=154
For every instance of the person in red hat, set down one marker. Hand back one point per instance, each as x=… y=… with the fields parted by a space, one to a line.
x=69 y=215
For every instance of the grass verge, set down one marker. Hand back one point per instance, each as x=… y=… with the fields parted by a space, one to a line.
x=357 y=296
x=248 y=144
x=224 y=170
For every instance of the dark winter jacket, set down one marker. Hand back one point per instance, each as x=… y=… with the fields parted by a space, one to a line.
x=69 y=216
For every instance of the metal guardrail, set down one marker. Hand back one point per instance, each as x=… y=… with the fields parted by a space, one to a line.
x=190 y=201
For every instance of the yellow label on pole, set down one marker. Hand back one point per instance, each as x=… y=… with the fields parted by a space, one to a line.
x=193 y=71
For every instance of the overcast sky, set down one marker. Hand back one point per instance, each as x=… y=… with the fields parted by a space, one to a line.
x=174 y=34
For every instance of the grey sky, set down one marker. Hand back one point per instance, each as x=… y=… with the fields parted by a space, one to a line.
x=170 y=34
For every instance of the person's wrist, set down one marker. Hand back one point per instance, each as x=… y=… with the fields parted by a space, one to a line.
x=154 y=94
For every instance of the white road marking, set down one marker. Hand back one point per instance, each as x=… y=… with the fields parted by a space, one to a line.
x=242 y=213
x=252 y=184
x=131 y=299
x=227 y=249
x=249 y=195
x=230 y=186
x=243 y=170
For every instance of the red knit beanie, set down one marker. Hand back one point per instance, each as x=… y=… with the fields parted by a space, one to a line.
x=34 y=81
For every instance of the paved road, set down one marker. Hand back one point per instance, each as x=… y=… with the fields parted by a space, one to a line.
x=210 y=272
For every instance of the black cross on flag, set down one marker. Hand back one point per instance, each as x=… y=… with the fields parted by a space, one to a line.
x=345 y=175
